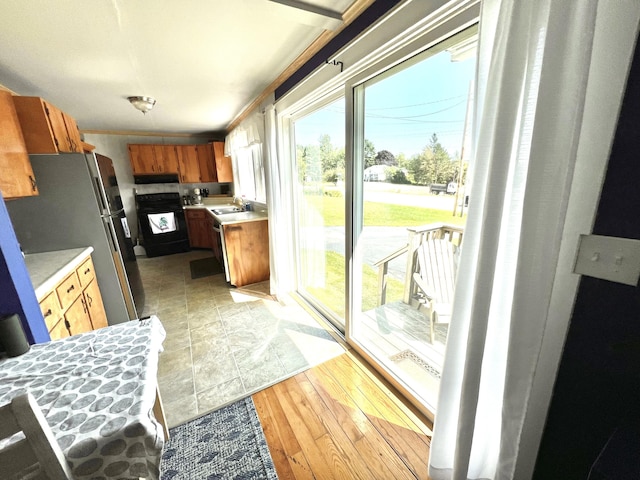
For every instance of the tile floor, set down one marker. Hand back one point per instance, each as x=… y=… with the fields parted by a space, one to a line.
x=224 y=343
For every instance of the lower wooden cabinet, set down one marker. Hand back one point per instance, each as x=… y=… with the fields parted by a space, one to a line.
x=198 y=228
x=59 y=331
x=247 y=246
x=75 y=304
x=77 y=317
x=95 y=307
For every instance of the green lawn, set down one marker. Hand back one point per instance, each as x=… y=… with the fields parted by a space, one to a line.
x=381 y=214
x=332 y=296
x=375 y=214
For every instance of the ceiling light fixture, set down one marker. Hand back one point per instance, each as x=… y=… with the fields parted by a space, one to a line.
x=144 y=104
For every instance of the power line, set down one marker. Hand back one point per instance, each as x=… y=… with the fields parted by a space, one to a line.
x=419 y=104
x=416 y=116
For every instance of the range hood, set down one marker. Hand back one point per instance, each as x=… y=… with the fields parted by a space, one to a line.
x=156 y=178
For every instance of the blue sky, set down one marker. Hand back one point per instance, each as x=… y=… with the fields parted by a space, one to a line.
x=403 y=110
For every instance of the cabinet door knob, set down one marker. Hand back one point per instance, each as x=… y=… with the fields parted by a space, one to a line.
x=84 y=306
x=47 y=313
x=87 y=271
x=90 y=300
x=72 y=287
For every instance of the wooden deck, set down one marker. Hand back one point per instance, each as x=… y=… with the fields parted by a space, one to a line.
x=342 y=420
x=397 y=319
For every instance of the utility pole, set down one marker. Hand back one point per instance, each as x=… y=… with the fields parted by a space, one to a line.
x=464 y=141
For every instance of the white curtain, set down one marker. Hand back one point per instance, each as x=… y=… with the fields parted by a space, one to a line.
x=531 y=79
x=279 y=207
x=244 y=145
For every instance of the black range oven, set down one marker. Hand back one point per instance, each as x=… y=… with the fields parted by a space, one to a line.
x=162 y=223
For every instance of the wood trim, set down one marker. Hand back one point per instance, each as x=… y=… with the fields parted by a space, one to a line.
x=6 y=89
x=208 y=136
x=87 y=147
x=325 y=37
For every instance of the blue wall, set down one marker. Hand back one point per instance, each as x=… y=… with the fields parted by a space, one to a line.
x=596 y=397
x=16 y=291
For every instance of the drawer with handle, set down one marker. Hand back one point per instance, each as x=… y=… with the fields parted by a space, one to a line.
x=86 y=273
x=68 y=290
x=51 y=311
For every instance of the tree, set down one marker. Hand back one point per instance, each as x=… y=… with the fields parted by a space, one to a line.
x=385 y=157
x=432 y=165
x=308 y=162
x=369 y=154
x=396 y=175
x=441 y=167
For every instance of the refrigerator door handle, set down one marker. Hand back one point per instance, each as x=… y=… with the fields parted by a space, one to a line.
x=111 y=234
x=97 y=187
x=115 y=214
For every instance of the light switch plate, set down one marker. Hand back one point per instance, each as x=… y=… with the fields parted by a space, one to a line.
x=609 y=258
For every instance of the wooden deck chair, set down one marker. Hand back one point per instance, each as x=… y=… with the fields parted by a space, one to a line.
x=38 y=454
x=437 y=260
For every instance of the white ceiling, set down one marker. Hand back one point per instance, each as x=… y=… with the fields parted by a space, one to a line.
x=203 y=61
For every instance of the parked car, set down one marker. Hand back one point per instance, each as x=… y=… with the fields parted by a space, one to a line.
x=448 y=188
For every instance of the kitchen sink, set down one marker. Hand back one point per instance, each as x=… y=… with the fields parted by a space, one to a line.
x=225 y=210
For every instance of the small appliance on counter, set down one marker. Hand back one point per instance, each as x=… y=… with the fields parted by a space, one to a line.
x=197 y=197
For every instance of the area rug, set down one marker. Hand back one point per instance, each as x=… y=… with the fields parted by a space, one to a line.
x=205 y=267
x=226 y=444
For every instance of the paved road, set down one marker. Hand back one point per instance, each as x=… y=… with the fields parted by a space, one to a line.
x=377 y=243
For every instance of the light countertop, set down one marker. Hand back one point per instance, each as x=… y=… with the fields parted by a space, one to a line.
x=46 y=269
x=240 y=217
x=232 y=218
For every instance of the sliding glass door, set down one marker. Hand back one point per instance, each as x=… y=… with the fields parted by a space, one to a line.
x=380 y=171
x=319 y=208
x=409 y=181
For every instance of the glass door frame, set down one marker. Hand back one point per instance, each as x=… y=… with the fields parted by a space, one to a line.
x=289 y=124
x=442 y=26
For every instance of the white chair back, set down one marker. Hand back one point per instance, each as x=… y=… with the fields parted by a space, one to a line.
x=38 y=454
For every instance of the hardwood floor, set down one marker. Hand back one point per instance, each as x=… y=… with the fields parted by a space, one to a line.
x=340 y=420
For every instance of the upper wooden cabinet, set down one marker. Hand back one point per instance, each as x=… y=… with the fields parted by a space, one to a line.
x=189 y=169
x=16 y=174
x=150 y=159
x=203 y=163
x=207 y=163
x=166 y=159
x=142 y=159
x=224 y=170
x=46 y=128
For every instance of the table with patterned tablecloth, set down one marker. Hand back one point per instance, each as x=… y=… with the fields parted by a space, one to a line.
x=97 y=391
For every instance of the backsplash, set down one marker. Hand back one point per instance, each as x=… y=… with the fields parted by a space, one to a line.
x=183 y=188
